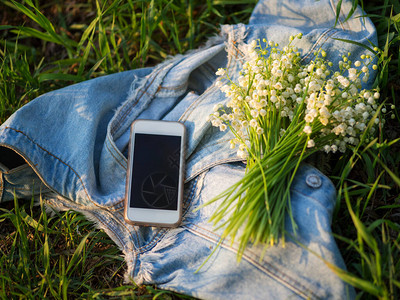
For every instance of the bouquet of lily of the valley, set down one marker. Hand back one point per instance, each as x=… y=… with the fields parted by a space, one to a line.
x=281 y=111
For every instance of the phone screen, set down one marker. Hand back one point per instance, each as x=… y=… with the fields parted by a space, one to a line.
x=155 y=171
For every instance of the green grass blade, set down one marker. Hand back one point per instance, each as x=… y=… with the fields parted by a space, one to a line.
x=361 y=229
x=78 y=254
x=356 y=43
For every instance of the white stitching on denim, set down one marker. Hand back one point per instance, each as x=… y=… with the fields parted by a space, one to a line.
x=284 y=279
x=215 y=163
x=51 y=154
x=114 y=151
x=322 y=36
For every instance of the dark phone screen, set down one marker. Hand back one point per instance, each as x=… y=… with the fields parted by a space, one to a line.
x=155 y=171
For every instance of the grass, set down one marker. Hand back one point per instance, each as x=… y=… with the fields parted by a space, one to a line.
x=45 y=45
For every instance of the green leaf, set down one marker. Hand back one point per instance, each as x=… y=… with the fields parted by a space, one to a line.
x=394 y=177
x=338 y=8
x=31 y=222
x=76 y=257
x=361 y=229
x=355 y=281
x=355 y=43
x=59 y=76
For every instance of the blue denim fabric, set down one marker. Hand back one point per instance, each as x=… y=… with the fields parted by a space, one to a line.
x=74 y=142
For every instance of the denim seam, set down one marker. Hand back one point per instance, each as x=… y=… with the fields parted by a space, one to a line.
x=129 y=106
x=196 y=103
x=112 y=152
x=188 y=200
x=147 y=83
x=51 y=154
x=198 y=153
x=123 y=224
x=104 y=220
x=152 y=243
x=221 y=141
x=91 y=213
x=273 y=272
x=33 y=166
x=132 y=228
x=322 y=36
x=172 y=88
x=216 y=163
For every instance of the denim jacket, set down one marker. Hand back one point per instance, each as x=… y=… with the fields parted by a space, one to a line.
x=70 y=145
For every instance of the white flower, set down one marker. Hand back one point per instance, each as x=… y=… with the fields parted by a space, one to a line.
x=343 y=81
x=242 y=154
x=216 y=122
x=223 y=127
x=220 y=72
x=217 y=107
x=313 y=112
x=324 y=121
x=310 y=143
x=308 y=118
x=263 y=112
x=278 y=86
x=253 y=123
x=254 y=113
x=307 y=129
x=352 y=74
x=367 y=95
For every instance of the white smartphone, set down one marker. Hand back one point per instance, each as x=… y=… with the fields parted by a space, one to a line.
x=155 y=173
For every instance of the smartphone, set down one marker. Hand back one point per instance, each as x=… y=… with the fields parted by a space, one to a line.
x=155 y=173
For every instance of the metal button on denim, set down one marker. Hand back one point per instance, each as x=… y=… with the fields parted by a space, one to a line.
x=314 y=181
